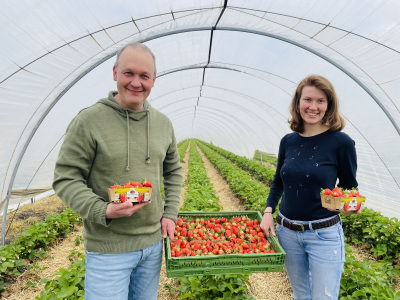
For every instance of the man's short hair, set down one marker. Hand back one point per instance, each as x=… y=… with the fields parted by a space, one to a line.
x=136 y=46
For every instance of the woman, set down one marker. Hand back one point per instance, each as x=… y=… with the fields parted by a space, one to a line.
x=314 y=156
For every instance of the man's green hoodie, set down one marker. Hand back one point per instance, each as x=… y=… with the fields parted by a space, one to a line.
x=105 y=145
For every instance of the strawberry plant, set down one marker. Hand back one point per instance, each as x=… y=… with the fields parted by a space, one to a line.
x=182 y=146
x=69 y=283
x=379 y=234
x=367 y=280
x=229 y=287
x=33 y=243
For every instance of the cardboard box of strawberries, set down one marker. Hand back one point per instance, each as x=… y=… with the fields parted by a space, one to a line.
x=342 y=200
x=133 y=191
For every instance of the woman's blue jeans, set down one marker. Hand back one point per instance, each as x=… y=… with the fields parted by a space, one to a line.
x=132 y=275
x=314 y=260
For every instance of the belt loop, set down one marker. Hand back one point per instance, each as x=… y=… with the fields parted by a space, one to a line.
x=310 y=226
x=282 y=219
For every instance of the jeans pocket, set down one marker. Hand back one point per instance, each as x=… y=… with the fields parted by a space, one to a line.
x=331 y=233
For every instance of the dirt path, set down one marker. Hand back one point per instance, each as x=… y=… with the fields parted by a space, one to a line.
x=264 y=286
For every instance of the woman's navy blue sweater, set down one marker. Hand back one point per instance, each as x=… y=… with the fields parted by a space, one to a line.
x=307 y=164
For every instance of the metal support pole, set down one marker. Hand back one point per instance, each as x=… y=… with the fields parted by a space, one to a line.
x=4 y=222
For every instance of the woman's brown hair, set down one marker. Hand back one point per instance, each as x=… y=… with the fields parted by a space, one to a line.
x=332 y=117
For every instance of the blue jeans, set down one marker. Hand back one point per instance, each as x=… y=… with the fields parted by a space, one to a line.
x=130 y=275
x=314 y=260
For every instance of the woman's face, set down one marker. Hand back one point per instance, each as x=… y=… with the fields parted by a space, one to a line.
x=313 y=105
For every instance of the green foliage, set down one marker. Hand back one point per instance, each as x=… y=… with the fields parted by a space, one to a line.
x=273 y=160
x=69 y=284
x=377 y=233
x=200 y=193
x=33 y=243
x=218 y=287
x=261 y=173
x=367 y=280
x=252 y=192
x=182 y=146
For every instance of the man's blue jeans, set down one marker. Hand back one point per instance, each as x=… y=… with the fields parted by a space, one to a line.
x=314 y=260
x=133 y=275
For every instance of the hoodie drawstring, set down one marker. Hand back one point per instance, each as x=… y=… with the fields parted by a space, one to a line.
x=148 y=139
x=127 y=122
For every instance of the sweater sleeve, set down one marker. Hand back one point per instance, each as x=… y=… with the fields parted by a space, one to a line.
x=172 y=173
x=276 y=190
x=72 y=170
x=347 y=164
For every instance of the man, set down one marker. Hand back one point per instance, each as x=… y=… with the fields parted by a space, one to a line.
x=117 y=140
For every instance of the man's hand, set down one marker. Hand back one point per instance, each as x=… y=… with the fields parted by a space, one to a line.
x=125 y=209
x=167 y=228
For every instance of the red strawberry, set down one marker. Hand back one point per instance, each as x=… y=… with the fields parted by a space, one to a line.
x=122 y=198
x=146 y=183
x=346 y=206
x=358 y=206
x=140 y=198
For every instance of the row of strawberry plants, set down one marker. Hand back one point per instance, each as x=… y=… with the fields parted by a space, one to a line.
x=361 y=280
x=200 y=195
x=377 y=233
x=182 y=146
x=33 y=243
x=258 y=155
x=262 y=173
x=252 y=192
x=367 y=279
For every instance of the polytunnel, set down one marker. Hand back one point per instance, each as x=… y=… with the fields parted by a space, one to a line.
x=226 y=72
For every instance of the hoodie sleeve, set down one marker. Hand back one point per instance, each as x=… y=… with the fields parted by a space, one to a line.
x=72 y=170
x=172 y=172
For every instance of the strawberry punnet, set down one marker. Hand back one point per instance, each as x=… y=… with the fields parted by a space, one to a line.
x=130 y=191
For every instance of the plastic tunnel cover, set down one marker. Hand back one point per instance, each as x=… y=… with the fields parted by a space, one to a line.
x=226 y=71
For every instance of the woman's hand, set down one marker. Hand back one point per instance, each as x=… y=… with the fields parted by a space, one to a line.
x=353 y=212
x=267 y=224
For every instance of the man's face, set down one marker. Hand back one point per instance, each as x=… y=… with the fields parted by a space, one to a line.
x=135 y=77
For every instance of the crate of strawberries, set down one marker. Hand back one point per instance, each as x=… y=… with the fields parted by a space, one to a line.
x=210 y=243
x=133 y=191
x=342 y=200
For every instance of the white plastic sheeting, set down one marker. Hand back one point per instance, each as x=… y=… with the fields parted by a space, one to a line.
x=226 y=73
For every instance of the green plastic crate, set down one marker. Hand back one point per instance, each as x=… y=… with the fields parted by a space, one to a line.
x=226 y=263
